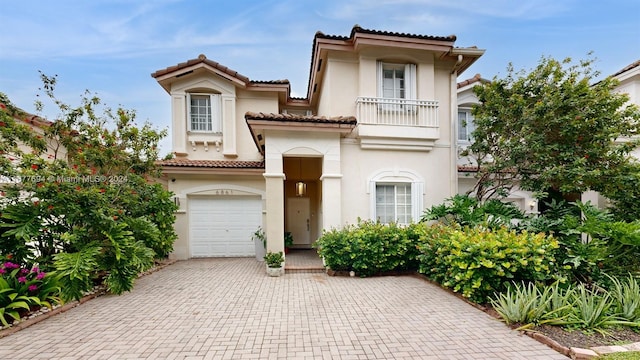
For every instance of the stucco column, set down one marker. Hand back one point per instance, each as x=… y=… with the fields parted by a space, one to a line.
x=331 y=200
x=274 y=186
x=332 y=187
x=179 y=124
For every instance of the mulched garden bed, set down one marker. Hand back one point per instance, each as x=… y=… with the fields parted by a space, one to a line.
x=583 y=340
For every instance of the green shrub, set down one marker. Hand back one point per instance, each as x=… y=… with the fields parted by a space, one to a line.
x=477 y=262
x=370 y=247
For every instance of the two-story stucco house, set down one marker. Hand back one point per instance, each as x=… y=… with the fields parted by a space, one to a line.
x=375 y=138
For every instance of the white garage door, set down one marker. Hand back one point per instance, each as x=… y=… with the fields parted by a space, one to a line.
x=223 y=226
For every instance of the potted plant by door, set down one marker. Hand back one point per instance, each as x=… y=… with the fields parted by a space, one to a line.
x=275 y=263
x=260 y=239
x=288 y=241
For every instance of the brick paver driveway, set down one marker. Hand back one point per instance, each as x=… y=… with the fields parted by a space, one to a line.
x=229 y=309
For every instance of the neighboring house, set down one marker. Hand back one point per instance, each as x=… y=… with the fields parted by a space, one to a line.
x=375 y=138
x=629 y=82
x=54 y=150
x=629 y=79
x=467 y=165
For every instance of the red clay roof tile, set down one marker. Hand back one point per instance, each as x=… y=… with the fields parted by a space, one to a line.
x=219 y=164
x=301 y=118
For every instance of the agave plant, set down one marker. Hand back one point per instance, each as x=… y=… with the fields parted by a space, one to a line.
x=594 y=311
x=626 y=298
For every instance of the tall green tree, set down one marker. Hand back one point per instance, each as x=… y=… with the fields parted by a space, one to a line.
x=553 y=130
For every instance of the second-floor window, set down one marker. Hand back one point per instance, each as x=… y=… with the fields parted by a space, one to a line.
x=204 y=113
x=465 y=125
x=396 y=81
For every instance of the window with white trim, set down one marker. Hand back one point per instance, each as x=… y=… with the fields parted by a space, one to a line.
x=465 y=125
x=396 y=81
x=396 y=84
x=393 y=203
x=396 y=195
x=204 y=113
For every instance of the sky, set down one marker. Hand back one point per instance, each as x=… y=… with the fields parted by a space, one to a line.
x=110 y=47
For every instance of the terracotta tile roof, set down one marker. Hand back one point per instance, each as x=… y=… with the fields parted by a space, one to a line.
x=33 y=120
x=633 y=65
x=301 y=118
x=201 y=59
x=467 y=168
x=474 y=79
x=359 y=29
x=218 y=164
x=282 y=82
x=216 y=65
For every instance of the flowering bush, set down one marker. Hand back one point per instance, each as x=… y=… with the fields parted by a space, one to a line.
x=86 y=194
x=25 y=289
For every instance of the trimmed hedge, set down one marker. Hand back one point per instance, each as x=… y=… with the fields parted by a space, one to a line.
x=370 y=248
x=477 y=262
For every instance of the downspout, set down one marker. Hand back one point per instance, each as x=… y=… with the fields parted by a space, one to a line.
x=454 y=126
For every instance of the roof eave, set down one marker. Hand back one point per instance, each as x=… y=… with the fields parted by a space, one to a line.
x=192 y=170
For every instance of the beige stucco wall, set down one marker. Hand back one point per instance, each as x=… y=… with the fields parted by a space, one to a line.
x=236 y=141
x=359 y=166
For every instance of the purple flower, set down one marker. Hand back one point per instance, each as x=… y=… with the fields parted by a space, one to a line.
x=41 y=275
x=24 y=271
x=35 y=269
x=22 y=279
x=33 y=287
x=2 y=271
x=10 y=265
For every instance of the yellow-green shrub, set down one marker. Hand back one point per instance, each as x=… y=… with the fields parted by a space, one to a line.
x=477 y=262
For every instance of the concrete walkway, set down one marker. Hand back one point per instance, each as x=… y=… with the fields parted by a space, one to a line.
x=230 y=309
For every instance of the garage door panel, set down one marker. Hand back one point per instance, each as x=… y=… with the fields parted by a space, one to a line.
x=223 y=226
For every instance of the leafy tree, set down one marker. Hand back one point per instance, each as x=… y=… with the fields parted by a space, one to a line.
x=89 y=207
x=552 y=130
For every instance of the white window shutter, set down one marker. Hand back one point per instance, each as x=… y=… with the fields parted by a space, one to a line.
x=417 y=190
x=410 y=81
x=216 y=114
x=188 y=106
x=380 y=79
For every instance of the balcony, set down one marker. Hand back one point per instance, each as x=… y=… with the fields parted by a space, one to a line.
x=398 y=112
x=397 y=124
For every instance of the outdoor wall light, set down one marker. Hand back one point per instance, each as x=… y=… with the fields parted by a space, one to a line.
x=301 y=188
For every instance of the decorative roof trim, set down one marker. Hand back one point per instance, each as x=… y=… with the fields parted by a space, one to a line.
x=350 y=120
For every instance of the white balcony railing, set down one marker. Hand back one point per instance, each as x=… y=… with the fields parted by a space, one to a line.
x=400 y=112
